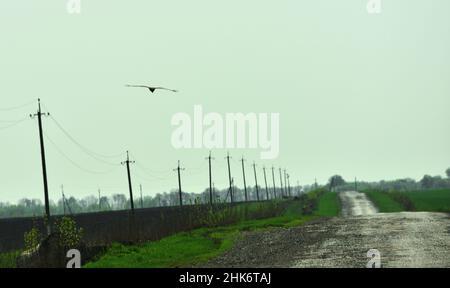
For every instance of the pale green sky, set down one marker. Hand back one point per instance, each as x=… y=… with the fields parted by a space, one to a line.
x=360 y=95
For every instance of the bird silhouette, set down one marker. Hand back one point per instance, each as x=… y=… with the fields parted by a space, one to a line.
x=152 y=89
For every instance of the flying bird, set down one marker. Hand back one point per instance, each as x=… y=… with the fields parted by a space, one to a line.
x=152 y=89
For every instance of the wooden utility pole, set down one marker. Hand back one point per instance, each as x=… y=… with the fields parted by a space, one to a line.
x=289 y=184
x=63 y=200
x=281 y=184
x=39 y=115
x=243 y=175
x=285 y=183
x=99 y=201
x=130 y=186
x=142 y=200
x=229 y=177
x=273 y=180
x=178 y=169
x=210 y=180
x=256 y=182
x=265 y=180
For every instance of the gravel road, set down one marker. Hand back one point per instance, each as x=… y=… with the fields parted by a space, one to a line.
x=406 y=239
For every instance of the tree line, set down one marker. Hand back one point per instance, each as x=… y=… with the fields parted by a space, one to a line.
x=338 y=183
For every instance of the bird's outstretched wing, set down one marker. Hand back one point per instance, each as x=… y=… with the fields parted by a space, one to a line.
x=163 y=88
x=152 y=89
x=140 y=86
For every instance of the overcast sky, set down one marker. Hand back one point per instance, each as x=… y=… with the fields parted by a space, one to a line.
x=359 y=95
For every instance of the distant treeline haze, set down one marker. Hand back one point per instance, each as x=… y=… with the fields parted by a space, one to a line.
x=35 y=207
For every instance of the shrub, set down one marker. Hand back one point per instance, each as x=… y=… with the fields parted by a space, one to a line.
x=32 y=239
x=68 y=233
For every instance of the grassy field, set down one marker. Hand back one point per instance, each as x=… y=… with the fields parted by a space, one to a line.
x=328 y=205
x=430 y=200
x=424 y=200
x=384 y=202
x=195 y=247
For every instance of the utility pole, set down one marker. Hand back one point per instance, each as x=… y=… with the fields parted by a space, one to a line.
x=142 y=200
x=232 y=187
x=99 y=201
x=281 y=184
x=265 y=180
x=285 y=183
x=178 y=169
x=298 y=188
x=63 y=200
x=229 y=177
x=356 y=185
x=130 y=187
x=289 y=185
x=210 y=180
x=273 y=180
x=44 y=165
x=243 y=174
x=256 y=182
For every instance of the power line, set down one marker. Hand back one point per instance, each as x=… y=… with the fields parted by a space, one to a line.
x=95 y=155
x=138 y=163
x=18 y=107
x=72 y=161
x=154 y=178
x=13 y=123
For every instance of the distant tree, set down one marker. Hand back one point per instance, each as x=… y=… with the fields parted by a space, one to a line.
x=104 y=203
x=337 y=180
x=448 y=173
x=427 y=182
x=120 y=201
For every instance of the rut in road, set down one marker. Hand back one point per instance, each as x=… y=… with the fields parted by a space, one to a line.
x=405 y=239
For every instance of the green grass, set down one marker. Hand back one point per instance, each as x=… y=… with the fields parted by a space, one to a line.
x=8 y=260
x=384 y=202
x=328 y=205
x=194 y=247
x=430 y=200
x=423 y=200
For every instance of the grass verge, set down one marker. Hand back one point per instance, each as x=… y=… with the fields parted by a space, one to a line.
x=194 y=247
x=8 y=260
x=384 y=202
x=328 y=205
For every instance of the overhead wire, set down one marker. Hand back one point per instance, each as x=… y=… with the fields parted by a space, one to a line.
x=13 y=124
x=89 y=152
x=73 y=162
x=18 y=106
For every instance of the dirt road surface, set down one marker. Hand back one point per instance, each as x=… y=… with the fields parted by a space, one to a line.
x=406 y=239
